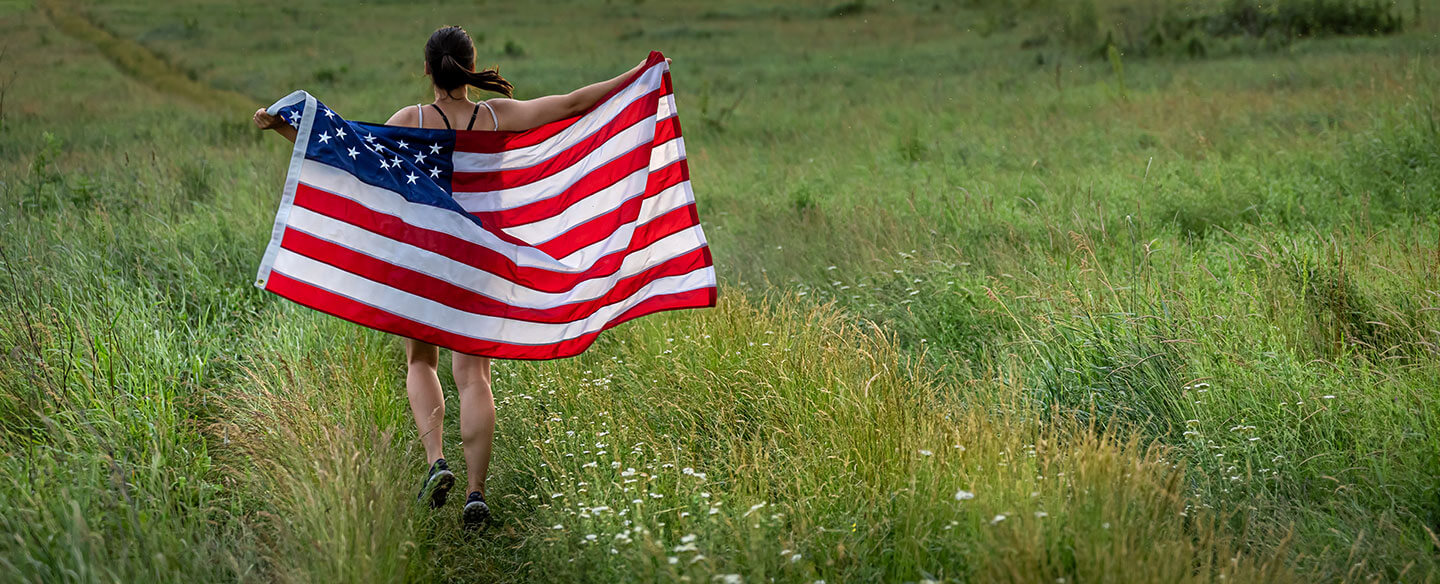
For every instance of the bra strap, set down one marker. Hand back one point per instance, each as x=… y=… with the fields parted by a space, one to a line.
x=494 y=119
x=471 y=125
x=442 y=115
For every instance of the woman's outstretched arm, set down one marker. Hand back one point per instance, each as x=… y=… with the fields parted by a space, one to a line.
x=516 y=115
x=265 y=121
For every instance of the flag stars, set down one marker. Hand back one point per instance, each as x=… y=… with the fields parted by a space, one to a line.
x=419 y=157
x=352 y=152
x=369 y=138
x=395 y=162
x=325 y=137
x=328 y=114
x=435 y=173
x=403 y=144
x=340 y=133
x=294 y=118
x=410 y=178
x=434 y=148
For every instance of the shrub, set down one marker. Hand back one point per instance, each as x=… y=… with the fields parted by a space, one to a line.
x=1178 y=29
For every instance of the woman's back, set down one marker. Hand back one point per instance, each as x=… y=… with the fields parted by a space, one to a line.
x=448 y=115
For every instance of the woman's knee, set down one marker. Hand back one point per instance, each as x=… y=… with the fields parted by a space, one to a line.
x=470 y=365
x=419 y=354
x=472 y=374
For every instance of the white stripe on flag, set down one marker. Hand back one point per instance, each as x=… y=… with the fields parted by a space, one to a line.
x=490 y=328
x=480 y=281
x=519 y=196
x=340 y=183
x=597 y=205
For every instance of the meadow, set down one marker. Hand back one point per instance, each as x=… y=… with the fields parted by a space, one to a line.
x=1031 y=291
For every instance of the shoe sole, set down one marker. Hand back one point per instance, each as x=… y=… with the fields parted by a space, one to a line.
x=476 y=516
x=440 y=489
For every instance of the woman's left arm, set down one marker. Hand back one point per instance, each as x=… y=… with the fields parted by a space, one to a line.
x=517 y=115
x=265 y=121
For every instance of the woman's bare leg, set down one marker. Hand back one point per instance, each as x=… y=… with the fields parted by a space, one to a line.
x=477 y=416
x=427 y=402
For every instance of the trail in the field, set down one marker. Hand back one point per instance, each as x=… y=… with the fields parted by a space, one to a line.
x=139 y=63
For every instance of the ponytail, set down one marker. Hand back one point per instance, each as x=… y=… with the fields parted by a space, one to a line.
x=451 y=56
x=490 y=80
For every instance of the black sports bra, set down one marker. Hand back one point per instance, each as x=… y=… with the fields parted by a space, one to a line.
x=473 y=114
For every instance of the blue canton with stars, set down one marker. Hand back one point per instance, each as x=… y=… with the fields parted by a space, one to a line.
x=417 y=163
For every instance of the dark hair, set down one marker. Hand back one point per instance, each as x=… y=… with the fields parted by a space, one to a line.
x=451 y=57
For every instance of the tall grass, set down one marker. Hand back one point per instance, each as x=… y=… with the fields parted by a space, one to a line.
x=1002 y=326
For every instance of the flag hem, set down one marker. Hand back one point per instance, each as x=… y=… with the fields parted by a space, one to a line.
x=292 y=178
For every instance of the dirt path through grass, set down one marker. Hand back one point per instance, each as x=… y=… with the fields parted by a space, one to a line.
x=138 y=62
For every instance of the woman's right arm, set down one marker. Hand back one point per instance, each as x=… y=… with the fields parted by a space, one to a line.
x=265 y=121
x=517 y=115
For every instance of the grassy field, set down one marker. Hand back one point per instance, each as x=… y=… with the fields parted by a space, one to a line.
x=997 y=304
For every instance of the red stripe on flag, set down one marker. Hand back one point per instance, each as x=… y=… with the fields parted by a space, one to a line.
x=364 y=314
x=601 y=228
x=635 y=113
x=443 y=292
x=483 y=182
x=594 y=182
x=462 y=250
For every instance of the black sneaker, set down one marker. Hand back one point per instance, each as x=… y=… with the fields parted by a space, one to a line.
x=476 y=514
x=437 y=484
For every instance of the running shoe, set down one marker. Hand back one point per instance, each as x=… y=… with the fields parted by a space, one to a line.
x=437 y=484
x=477 y=513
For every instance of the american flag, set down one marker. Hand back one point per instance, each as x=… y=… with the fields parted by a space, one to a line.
x=518 y=245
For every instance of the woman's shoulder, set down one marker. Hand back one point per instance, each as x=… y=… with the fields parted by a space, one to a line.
x=406 y=116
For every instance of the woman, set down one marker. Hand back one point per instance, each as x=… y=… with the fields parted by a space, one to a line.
x=450 y=63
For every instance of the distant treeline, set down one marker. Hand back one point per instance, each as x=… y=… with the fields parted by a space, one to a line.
x=1195 y=28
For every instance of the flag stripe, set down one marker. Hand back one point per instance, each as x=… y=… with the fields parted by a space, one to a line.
x=492 y=328
x=348 y=309
x=476 y=278
x=626 y=173
x=369 y=199
x=663 y=214
x=594 y=150
x=601 y=209
x=536 y=201
x=599 y=147
x=442 y=291
x=477 y=195
x=609 y=260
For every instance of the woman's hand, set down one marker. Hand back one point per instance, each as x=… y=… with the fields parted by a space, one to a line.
x=265 y=121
